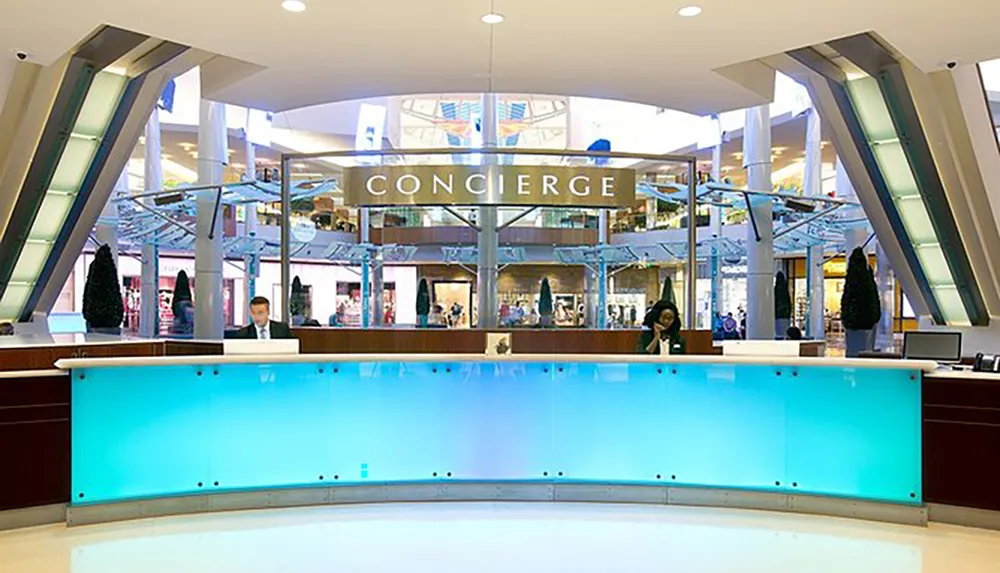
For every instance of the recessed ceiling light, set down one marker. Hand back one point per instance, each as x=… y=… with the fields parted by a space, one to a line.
x=294 y=5
x=689 y=11
x=492 y=18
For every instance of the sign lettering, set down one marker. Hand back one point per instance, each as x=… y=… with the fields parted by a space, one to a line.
x=489 y=185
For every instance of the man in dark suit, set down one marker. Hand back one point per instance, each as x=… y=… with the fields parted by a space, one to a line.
x=263 y=327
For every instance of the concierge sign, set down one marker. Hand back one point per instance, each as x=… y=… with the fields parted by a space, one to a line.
x=489 y=185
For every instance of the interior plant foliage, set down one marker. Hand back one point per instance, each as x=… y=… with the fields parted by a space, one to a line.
x=782 y=298
x=860 y=307
x=297 y=302
x=545 y=302
x=182 y=292
x=423 y=298
x=667 y=295
x=102 y=293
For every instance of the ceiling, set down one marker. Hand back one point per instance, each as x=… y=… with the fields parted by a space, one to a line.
x=633 y=50
x=180 y=147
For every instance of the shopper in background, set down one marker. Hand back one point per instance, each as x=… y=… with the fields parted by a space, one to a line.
x=437 y=318
x=6 y=329
x=661 y=332
x=183 y=323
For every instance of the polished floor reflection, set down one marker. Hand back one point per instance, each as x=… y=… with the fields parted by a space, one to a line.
x=484 y=537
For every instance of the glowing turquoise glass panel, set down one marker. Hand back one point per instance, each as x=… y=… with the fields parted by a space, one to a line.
x=171 y=430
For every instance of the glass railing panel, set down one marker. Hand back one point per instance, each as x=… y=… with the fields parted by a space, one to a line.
x=871 y=109
x=916 y=220
x=29 y=264
x=935 y=264
x=100 y=105
x=73 y=165
x=896 y=169
x=951 y=304
x=51 y=216
x=14 y=297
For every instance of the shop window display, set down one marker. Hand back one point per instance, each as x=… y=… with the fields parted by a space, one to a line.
x=348 y=300
x=520 y=309
x=133 y=302
x=451 y=304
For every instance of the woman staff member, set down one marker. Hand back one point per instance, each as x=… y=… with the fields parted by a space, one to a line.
x=661 y=330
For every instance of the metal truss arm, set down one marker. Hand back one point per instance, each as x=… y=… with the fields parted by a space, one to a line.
x=806 y=221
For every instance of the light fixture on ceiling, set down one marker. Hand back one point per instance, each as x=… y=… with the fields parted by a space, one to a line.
x=492 y=18
x=689 y=11
x=294 y=5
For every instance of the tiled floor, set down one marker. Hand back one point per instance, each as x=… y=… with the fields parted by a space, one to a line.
x=483 y=538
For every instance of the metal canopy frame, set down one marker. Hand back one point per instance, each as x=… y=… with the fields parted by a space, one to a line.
x=401 y=154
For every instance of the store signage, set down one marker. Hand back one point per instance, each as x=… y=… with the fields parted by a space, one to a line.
x=489 y=185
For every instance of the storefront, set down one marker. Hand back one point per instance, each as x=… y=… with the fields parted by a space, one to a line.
x=834 y=274
x=331 y=289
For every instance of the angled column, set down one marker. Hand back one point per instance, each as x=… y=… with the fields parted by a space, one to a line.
x=208 y=322
x=813 y=187
x=149 y=293
x=486 y=267
x=760 y=253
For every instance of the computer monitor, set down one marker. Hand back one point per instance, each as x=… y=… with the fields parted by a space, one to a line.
x=933 y=345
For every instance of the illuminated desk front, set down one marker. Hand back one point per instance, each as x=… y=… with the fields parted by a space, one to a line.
x=176 y=426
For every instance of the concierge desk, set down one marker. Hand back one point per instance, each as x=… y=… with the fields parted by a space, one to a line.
x=184 y=434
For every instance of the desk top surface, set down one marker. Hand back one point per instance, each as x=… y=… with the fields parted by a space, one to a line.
x=78 y=339
x=964 y=375
x=923 y=365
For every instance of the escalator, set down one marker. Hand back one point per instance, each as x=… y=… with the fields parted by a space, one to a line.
x=77 y=122
x=904 y=147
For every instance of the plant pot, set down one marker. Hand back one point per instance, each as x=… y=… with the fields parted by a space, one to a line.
x=781 y=327
x=422 y=320
x=545 y=321
x=858 y=341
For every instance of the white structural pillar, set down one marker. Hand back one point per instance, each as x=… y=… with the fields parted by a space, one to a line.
x=106 y=230
x=813 y=187
x=760 y=251
x=602 y=271
x=715 y=224
x=856 y=233
x=884 y=339
x=378 y=288
x=366 y=269
x=149 y=293
x=488 y=244
x=212 y=140
x=251 y=261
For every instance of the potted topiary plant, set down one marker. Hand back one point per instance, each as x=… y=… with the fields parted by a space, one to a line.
x=668 y=291
x=103 y=308
x=860 y=307
x=782 y=305
x=297 y=302
x=423 y=303
x=545 y=305
x=182 y=306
